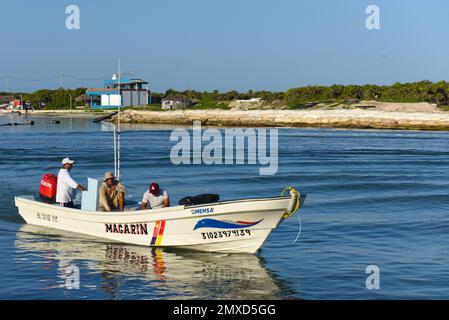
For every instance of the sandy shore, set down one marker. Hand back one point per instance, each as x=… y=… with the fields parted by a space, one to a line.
x=339 y=118
x=58 y=113
x=365 y=115
x=68 y=113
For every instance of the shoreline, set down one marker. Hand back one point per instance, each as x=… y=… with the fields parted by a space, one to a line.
x=314 y=118
x=57 y=113
x=339 y=118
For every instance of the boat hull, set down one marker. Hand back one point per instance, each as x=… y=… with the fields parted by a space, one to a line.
x=230 y=227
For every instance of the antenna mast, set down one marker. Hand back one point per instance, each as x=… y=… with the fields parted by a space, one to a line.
x=118 y=119
x=115 y=150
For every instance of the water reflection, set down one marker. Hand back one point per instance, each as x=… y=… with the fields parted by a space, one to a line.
x=109 y=126
x=120 y=269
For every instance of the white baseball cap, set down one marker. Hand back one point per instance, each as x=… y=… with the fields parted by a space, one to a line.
x=67 y=160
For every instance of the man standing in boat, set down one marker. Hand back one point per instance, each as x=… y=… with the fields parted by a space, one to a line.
x=155 y=198
x=66 y=185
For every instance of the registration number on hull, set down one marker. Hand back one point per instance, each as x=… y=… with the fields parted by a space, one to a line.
x=226 y=234
x=46 y=217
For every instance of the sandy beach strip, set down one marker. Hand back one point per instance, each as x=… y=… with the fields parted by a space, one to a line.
x=57 y=113
x=340 y=118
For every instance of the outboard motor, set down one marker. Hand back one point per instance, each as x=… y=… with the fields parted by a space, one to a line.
x=47 y=190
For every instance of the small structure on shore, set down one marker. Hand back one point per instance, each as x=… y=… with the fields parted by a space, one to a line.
x=252 y=100
x=119 y=93
x=5 y=100
x=176 y=101
x=83 y=99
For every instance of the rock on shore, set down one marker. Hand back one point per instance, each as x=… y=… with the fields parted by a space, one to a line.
x=339 y=118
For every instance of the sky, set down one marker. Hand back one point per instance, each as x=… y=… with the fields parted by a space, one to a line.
x=223 y=45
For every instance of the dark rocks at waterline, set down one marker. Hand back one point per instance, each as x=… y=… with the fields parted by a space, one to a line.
x=106 y=117
x=26 y=123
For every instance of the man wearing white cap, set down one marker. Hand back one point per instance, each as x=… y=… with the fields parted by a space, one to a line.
x=66 y=185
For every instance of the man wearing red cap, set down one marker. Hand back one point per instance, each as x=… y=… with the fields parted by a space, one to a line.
x=155 y=198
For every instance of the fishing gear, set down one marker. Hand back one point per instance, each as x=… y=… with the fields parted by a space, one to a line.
x=295 y=205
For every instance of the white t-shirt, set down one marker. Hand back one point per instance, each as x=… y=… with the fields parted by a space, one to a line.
x=153 y=201
x=66 y=186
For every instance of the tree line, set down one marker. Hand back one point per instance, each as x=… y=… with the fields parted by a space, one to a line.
x=50 y=99
x=422 y=91
x=221 y=96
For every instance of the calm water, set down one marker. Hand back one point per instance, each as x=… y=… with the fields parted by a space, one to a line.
x=374 y=197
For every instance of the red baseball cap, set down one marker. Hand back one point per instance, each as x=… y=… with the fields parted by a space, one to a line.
x=154 y=189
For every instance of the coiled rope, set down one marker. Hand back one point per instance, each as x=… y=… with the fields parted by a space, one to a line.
x=296 y=198
x=292 y=209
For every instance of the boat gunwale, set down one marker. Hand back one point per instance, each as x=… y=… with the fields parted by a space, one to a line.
x=138 y=213
x=237 y=201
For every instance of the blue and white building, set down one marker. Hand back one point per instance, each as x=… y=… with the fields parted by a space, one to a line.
x=119 y=93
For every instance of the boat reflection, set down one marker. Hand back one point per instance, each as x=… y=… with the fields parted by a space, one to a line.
x=139 y=272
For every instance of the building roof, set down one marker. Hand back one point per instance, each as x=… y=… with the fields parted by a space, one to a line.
x=126 y=81
x=81 y=98
x=101 y=90
x=139 y=81
x=6 y=99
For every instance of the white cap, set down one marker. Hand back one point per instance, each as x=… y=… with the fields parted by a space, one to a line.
x=67 y=160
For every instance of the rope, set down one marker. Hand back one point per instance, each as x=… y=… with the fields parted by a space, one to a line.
x=299 y=231
x=295 y=196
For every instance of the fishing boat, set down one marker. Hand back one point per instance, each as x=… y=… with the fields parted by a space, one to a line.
x=234 y=226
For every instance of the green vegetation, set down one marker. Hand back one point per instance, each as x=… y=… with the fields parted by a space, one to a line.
x=226 y=96
x=443 y=107
x=423 y=91
x=54 y=99
x=210 y=101
x=296 y=98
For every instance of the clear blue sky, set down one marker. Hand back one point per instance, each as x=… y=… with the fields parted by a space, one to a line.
x=225 y=45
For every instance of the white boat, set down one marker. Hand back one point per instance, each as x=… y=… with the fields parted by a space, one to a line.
x=238 y=226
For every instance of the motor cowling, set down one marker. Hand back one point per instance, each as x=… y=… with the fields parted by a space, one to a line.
x=47 y=190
